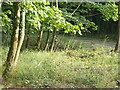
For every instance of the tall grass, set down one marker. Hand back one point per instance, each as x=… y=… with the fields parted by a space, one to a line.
x=95 y=67
x=74 y=64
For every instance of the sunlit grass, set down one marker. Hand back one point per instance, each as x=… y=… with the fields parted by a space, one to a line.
x=74 y=64
x=84 y=68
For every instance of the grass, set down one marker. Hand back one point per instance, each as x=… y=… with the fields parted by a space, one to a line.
x=75 y=65
x=81 y=68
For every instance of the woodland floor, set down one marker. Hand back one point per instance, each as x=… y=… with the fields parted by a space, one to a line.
x=108 y=60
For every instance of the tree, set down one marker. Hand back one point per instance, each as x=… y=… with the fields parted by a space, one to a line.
x=28 y=37
x=54 y=31
x=47 y=40
x=16 y=40
x=40 y=34
x=117 y=47
x=0 y=4
x=21 y=33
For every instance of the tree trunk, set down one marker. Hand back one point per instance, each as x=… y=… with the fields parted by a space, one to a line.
x=1 y=4
x=51 y=3
x=28 y=38
x=47 y=40
x=54 y=32
x=59 y=42
x=39 y=39
x=21 y=36
x=53 y=41
x=14 y=42
x=117 y=47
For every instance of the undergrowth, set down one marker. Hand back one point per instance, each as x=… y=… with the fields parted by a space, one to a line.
x=73 y=65
x=93 y=67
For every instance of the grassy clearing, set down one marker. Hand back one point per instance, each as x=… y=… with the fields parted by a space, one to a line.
x=84 y=68
x=75 y=64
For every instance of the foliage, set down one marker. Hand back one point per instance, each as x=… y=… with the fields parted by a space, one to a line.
x=6 y=19
x=42 y=14
x=109 y=10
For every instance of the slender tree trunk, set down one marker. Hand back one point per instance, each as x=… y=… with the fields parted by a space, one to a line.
x=117 y=47
x=57 y=3
x=51 y=3
x=54 y=32
x=14 y=42
x=39 y=39
x=0 y=4
x=21 y=36
x=47 y=40
x=59 y=42
x=53 y=41
x=28 y=37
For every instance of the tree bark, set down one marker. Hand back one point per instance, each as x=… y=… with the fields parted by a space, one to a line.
x=21 y=37
x=14 y=42
x=28 y=38
x=117 y=47
x=53 y=41
x=39 y=39
x=47 y=40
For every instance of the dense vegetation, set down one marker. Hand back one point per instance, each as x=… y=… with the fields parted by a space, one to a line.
x=82 y=68
x=52 y=54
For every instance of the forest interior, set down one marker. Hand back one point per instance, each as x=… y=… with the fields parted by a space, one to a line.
x=59 y=44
